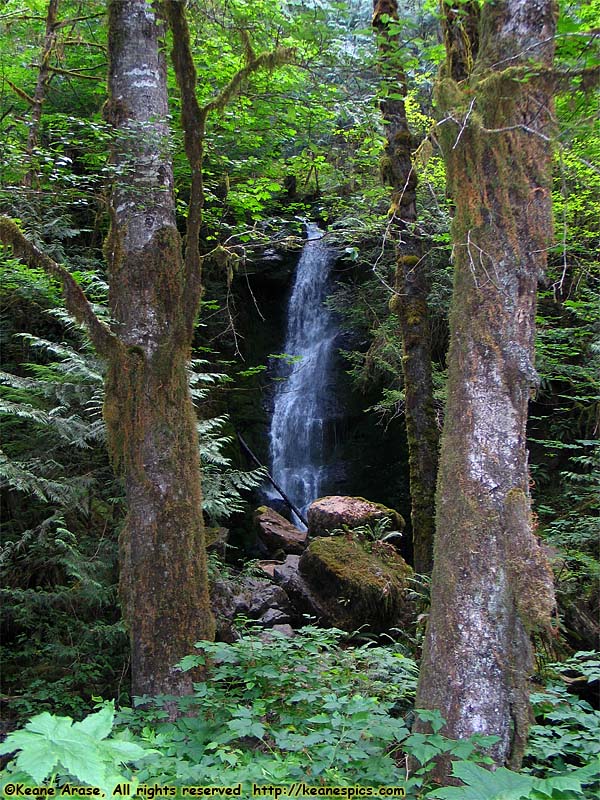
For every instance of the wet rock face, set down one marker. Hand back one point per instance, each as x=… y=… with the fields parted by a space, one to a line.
x=305 y=600
x=276 y=533
x=337 y=512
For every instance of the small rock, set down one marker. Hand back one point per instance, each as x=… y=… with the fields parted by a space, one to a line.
x=276 y=533
x=268 y=567
x=286 y=630
x=273 y=617
x=265 y=595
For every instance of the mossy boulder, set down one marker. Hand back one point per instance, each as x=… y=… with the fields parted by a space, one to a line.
x=340 y=513
x=358 y=583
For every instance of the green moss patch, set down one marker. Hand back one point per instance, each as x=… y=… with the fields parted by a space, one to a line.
x=358 y=587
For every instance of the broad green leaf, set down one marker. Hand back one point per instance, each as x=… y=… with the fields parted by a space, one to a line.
x=481 y=784
x=126 y=751
x=38 y=758
x=98 y=725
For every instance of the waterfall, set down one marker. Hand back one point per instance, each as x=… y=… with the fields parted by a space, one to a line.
x=303 y=402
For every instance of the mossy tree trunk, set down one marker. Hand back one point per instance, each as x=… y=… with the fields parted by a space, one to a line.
x=41 y=89
x=149 y=413
x=154 y=296
x=491 y=584
x=410 y=303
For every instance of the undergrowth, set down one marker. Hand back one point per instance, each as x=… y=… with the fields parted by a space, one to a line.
x=306 y=710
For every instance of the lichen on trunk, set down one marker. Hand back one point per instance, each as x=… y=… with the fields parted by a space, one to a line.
x=150 y=418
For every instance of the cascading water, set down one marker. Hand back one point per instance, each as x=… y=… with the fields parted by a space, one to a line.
x=303 y=402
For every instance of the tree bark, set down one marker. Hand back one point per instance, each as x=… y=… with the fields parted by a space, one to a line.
x=410 y=302
x=491 y=584
x=154 y=295
x=41 y=88
x=149 y=412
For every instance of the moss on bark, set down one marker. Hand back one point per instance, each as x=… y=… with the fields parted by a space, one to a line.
x=490 y=583
x=410 y=303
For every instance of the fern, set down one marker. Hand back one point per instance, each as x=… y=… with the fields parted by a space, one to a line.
x=72 y=386
x=27 y=477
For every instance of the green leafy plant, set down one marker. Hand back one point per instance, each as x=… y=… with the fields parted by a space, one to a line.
x=503 y=784
x=55 y=749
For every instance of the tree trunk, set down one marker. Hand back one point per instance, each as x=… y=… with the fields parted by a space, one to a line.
x=149 y=413
x=491 y=584
x=154 y=296
x=410 y=302
x=41 y=88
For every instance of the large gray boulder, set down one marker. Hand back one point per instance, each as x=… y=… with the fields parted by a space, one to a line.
x=348 y=583
x=358 y=584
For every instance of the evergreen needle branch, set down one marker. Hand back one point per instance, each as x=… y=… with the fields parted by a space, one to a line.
x=76 y=301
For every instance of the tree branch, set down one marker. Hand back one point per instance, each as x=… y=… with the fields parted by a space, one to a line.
x=268 y=60
x=75 y=300
x=39 y=96
x=75 y=73
x=193 y=120
x=65 y=23
x=21 y=93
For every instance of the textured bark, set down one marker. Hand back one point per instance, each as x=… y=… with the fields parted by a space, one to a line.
x=41 y=88
x=149 y=413
x=154 y=295
x=410 y=302
x=491 y=583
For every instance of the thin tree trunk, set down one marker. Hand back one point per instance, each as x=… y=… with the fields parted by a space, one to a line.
x=491 y=584
x=41 y=88
x=412 y=291
x=149 y=412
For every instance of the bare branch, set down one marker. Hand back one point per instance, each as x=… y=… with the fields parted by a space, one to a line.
x=75 y=73
x=464 y=124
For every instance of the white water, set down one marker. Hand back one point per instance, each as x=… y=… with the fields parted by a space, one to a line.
x=303 y=401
